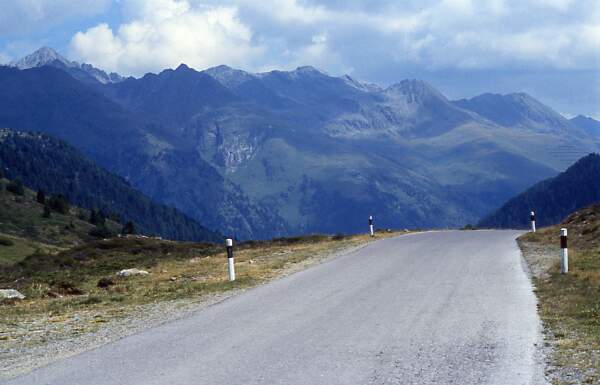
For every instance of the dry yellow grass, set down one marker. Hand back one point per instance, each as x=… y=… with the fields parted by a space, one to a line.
x=569 y=304
x=178 y=271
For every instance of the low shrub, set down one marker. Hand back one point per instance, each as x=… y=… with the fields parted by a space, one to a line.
x=16 y=187
x=93 y=300
x=59 y=203
x=67 y=288
x=101 y=232
x=105 y=282
x=314 y=238
x=6 y=241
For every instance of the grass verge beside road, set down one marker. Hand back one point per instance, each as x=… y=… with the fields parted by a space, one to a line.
x=76 y=292
x=569 y=304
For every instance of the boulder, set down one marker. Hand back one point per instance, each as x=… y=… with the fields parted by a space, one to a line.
x=131 y=272
x=10 y=294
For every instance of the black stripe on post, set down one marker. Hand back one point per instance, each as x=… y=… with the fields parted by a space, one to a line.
x=370 y=221
x=229 y=247
x=563 y=241
x=532 y=217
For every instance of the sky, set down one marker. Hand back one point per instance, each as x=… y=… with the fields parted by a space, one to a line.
x=547 y=48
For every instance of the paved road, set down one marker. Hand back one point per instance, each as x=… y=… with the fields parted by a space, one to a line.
x=432 y=308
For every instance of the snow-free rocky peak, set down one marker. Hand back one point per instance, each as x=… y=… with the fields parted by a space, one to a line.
x=41 y=57
x=84 y=72
x=516 y=110
x=229 y=77
x=414 y=90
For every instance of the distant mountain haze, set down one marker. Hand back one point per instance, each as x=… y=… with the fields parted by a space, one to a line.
x=284 y=152
x=588 y=124
x=515 y=110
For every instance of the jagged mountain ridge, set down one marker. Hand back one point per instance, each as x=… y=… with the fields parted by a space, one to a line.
x=322 y=152
x=84 y=72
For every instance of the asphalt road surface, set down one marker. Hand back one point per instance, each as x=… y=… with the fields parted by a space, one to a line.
x=433 y=308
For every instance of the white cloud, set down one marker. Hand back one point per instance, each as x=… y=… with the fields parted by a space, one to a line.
x=561 y=5
x=165 y=33
x=18 y=16
x=346 y=35
x=459 y=34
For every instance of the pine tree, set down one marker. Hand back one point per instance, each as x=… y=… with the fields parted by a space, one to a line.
x=101 y=232
x=41 y=197
x=16 y=187
x=47 y=212
x=97 y=217
x=93 y=217
x=128 y=228
x=59 y=203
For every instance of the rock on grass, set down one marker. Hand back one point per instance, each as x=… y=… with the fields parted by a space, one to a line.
x=131 y=272
x=10 y=294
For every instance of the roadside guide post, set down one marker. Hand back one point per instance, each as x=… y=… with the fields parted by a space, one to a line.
x=564 y=252
x=230 y=264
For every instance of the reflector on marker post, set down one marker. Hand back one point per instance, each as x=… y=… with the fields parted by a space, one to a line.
x=533 y=221
x=564 y=252
x=230 y=264
x=371 y=226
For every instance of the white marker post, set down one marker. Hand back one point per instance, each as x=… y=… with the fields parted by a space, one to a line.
x=533 y=221
x=564 y=252
x=371 y=225
x=230 y=264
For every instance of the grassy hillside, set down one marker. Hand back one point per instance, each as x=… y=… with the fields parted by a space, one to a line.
x=24 y=229
x=46 y=163
x=552 y=199
x=569 y=304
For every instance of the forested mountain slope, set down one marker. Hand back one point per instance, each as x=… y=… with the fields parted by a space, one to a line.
x=44 y=163
x=552 y=199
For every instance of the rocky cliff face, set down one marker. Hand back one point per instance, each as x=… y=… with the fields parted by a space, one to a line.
x=312 y=146
x=131 y=147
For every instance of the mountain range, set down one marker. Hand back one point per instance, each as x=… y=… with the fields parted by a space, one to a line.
x=552 y=199
x=50 y=101
x=259 y=155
